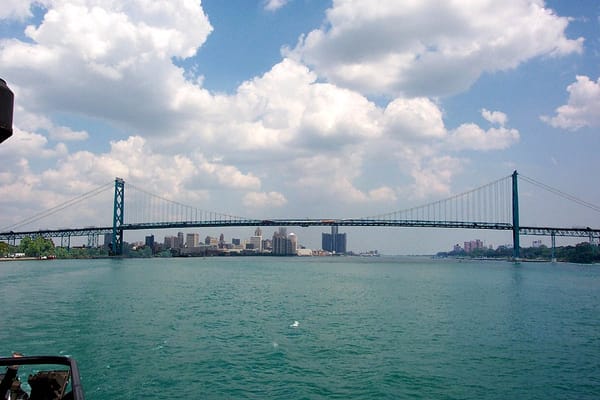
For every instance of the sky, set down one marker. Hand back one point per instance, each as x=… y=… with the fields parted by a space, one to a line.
x=302 y=108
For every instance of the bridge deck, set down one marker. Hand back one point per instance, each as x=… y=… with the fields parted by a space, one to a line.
x=524 y=230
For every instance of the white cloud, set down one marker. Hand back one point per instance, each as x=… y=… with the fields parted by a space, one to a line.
x=472 y=137
x=435 y=177
x=317 y=144
x=264 y=200
x=27 y=144
x=66 y=134
x=383 y=194
x=273 y=5
x=582 y=108
x=108 y=60
x=429 y=48
x=414 y=118
x=16 y=9
x=30 y=121
x=226 y=175
x=494 y=117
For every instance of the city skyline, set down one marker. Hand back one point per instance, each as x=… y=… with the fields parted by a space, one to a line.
x=333 y=109
x=241 y=242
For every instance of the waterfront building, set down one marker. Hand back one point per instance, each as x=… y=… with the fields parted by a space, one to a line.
x=256 y=243
x=211 y=241
x=292 y=244
x=170 y=242
x=304 y=252
x=334 y=242
x=180 y=241
x=267 y=245
x=256 y=240
x=284 y=244
x=473 y=245
x=192 y=240
x=279 y=241
x=149 y=241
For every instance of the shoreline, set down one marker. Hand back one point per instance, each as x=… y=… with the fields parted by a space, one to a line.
x=6 y=259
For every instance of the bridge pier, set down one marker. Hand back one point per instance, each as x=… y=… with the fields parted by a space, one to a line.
x=553 y=237
x=117 y=230
x=515 y=211
x=92 y=240
x=66 y=239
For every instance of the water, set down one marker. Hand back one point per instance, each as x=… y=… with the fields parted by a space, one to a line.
x=311 y=328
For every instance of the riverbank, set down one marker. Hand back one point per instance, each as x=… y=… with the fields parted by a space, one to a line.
x=20 y=259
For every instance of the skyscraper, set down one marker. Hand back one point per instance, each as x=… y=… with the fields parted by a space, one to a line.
x=283 y=244
x=334 y=242
x=149 y=242
x=256 y=240
x=170 y=242
x=192 y=240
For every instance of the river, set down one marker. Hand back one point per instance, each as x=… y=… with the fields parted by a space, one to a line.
x=312 y=328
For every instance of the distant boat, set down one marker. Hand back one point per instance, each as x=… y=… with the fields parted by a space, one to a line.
x=372 y=253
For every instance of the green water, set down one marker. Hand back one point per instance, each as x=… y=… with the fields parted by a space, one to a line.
x=367 y=328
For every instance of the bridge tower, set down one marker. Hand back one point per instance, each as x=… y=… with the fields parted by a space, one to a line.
x=515 y=212
x=117 y=230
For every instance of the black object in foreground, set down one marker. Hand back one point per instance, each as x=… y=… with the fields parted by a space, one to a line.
x=52 y=383
x=6 y=111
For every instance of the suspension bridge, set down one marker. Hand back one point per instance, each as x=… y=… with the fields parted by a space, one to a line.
x=494 y=206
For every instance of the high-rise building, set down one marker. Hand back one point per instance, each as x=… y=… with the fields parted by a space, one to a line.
x=170 y=242
x=256 y=240
x=279 y=241
x=334 y=242
x=284 y=245
x=150 y=241
x=267 y=244
x=292 y=244
x=192 y=240
x=473 y=245
x=211 y=241
x=180 y=241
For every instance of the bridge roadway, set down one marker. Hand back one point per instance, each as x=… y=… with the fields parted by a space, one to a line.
x=91 y=231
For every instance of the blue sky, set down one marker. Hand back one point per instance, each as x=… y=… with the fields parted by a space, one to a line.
x=302 y=107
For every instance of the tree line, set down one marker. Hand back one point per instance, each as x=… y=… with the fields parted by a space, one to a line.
x=40 y=247
x=581 y=253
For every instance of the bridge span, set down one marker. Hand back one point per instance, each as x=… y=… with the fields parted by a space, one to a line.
x=93 y=232
x=494 y=206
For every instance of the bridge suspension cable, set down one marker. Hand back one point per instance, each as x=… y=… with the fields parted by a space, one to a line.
x=143 y=206
x=561 y=193
x=59 y=207
x=490 y=203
